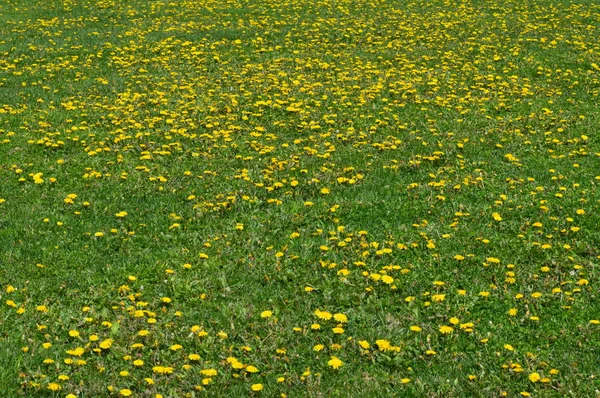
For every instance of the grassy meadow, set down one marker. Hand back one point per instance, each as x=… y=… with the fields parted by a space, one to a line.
x=299 y=198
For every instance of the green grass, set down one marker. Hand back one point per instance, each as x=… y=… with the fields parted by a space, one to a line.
x=399 y=164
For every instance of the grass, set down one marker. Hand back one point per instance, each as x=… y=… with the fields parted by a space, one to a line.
x=246 y=198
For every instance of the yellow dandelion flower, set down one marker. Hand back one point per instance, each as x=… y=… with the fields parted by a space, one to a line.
x=54 y=387
x=208 y=372
x=257 y=387
x=341 y=318
x=383 y=345
x=364 y=344
x=323 y=315
x=106 y=344
x=335 y=362
x=446 y=329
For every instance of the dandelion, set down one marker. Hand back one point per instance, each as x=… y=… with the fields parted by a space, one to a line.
x=323 y=315
x=341 y=318
x=383 y=345
x=335 y=362
x=446 y=329
x=54 y=387
x=438 y=297
x=237 y=365
x=364 y=344
x=106 y=344
x=257 y=387
x=76 y=352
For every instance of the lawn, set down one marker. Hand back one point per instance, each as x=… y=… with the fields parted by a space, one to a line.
x=326 y=198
